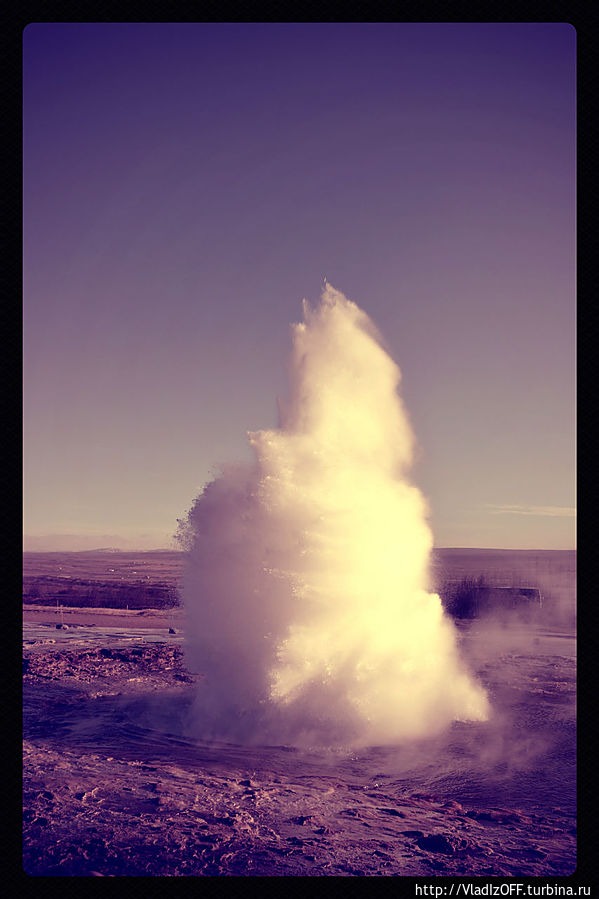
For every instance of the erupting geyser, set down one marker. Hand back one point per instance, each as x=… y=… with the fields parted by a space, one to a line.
x=307 y=583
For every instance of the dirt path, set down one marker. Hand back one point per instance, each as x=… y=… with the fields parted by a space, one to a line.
x=147 y=618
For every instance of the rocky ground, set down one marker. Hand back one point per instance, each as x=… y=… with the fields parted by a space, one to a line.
x=105 y=797
x=100 y=815
x=153 y=665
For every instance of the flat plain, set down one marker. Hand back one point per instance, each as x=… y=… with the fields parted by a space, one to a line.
x=116 y=785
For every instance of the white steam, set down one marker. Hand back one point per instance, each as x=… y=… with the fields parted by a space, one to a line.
x=307 y=587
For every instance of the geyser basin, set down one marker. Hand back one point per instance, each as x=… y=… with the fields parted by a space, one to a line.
x=307 y=582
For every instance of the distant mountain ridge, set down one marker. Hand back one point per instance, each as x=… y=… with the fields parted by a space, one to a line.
x=96 y=543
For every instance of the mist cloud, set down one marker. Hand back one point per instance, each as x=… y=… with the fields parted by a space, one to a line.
x=307 y=581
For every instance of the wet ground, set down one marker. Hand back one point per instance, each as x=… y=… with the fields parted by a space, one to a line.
x=115 y=785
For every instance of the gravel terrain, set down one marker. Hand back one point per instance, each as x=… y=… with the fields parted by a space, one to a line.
x=114 y=785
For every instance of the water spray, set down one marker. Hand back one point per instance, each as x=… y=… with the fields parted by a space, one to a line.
x=307 y=584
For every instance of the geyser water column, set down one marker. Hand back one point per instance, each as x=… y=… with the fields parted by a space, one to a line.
x=307 y=581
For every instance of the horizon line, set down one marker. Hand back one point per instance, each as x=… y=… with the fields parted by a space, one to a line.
x=174 y=549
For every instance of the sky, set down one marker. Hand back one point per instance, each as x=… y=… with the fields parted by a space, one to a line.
x=187 y=185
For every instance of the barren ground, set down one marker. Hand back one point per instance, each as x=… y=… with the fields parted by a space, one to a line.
x=113 y=786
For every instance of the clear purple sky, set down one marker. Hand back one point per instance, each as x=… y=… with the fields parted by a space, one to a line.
x=186 y=185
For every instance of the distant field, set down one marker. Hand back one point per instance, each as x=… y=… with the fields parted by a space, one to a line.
x=153 y=579
x=553 y=572
x=114 y=580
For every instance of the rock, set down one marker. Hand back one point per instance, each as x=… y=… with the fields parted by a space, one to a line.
x=531 y=853
x=441 y=842
x=498 y=816
x=453 y=807
x=392 y=811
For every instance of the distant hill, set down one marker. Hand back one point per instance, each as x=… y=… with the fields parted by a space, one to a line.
x=99 y=543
